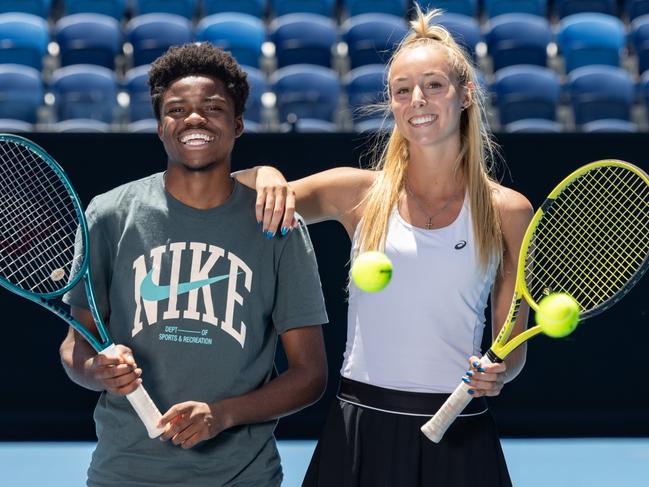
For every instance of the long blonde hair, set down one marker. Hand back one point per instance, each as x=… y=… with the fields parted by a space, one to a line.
x=477 y=151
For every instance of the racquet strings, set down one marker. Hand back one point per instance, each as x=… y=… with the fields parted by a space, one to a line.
x=593 y=239
x=38 y=222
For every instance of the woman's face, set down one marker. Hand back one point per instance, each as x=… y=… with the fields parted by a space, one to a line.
x=425 y=98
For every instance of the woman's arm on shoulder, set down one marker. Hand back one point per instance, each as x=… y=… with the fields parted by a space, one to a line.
x=515 y=215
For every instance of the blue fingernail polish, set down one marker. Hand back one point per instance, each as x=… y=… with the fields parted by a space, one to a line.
x=284 y=230
x=469 y=373
x=480 y=369
x=466 y=379
x=471 y=391
x=476 y=364
x=269 y=234
x=259 y=222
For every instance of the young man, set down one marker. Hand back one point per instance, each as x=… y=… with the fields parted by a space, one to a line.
x=196 y=297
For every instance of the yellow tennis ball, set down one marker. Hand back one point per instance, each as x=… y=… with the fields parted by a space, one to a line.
x=558 y=315
x=371 y=271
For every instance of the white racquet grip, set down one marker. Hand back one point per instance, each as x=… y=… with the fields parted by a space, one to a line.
x=141 y=402
x=435 y=428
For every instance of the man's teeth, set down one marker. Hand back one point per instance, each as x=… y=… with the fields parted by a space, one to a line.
x=196 y=139
x=423 y=119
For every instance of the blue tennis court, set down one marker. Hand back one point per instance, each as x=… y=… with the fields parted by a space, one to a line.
x=599 y=462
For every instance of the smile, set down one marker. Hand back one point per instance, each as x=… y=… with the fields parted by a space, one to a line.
x=422 y=120
x=196 y=138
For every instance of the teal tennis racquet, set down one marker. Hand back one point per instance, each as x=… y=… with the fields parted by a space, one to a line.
x=41 y=222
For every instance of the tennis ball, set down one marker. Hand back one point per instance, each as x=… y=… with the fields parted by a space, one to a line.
x=371 y=271
x=558 y=315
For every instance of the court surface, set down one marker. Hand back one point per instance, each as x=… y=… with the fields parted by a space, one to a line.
x=589 y=462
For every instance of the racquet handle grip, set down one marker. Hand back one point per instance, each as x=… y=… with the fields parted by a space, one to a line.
x=141 y=402
x=435 y=428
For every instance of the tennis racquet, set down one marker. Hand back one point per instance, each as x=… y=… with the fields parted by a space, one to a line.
x=590 y=239
x=41 y=220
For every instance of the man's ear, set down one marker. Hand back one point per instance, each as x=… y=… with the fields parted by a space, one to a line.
x=238 y=126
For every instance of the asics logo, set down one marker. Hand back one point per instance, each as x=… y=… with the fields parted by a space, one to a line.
x=460 y=245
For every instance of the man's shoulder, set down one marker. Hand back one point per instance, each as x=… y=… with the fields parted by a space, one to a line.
x=121 y=198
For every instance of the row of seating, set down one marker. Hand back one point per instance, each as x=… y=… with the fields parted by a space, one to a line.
x=120 y=9
x=582 y=39
x=308 y=92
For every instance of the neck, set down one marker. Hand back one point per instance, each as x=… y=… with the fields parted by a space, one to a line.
x=435 y=170
x=199 y=189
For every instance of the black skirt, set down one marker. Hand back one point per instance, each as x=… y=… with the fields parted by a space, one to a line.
x=365 y=445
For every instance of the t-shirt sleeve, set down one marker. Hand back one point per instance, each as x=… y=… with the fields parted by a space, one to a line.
x=298 y=300
x=100 y=255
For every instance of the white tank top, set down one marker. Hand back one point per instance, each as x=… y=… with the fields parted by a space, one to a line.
x=418 y=332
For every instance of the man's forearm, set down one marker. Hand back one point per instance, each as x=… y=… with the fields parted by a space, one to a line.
x=76 y=356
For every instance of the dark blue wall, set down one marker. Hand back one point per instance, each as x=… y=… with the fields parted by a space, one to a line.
x=575 y=386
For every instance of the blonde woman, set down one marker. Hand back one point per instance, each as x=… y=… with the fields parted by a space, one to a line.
x=453 y=235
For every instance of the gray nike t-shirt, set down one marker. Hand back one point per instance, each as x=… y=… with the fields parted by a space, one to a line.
x=200 y=296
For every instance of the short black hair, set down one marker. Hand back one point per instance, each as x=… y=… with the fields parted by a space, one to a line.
x=198 y=59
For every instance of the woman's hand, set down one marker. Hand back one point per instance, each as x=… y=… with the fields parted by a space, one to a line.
x=487 y=380
x=275 y=206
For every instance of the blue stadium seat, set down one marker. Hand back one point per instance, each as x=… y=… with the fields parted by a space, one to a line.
x=112 y=8
x=152 y=34
x=639 y=37
x=636 y=8
x=240 y=34
x=21 y=92
x=375 y=124
x=250 y=7
x=307 y=91
x=13 y=126
x=144 y=126
x=312 y=125
x=518 y=39
x=590 y=38
x=184 y=8
x=563 y=8
x=303 y=38
x=494 y=8
x=135 y=85
x=610 y=125
x=41 y=8
x=88 y=39
x=320 y=7
x=84 y=91
x=258 y=86
x=81 y=125
x=526 y=91
x=463 y=7
x=371 y=38
x=252 y=127
x=598 y=92
x=365 y=88
x=392 y=7
x=23 y=39
x=643 y=89
x=531 y=125
x=465 y=30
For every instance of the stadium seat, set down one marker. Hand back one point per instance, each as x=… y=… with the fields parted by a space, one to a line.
x=518 y=39
x=21 y=92
x=375 y=124
x=526 y=91
x=88 y=39
x=320 y=7
x=590 y=38
x=365 y=87
x=135 y=85
x=23 y=39
x=639 y=38
x=371 y=38
x=144 y=126
x=598 y=92
x=465 y=30
x=41 y=8
x=112 y=8
x=84 y=91
x=240 y=34
x=636 y=8
x=528 y=125
x=643 y=89
x=81 y=125
x=463 y=7
x=494 y=8
x=311 y=125
x=252 y=127
x=392 y=7
x=563 y=8
x=258 y=86
x=255 y=8
x=184 y=8
x=12 y=126
x=306 y=91
x=152 y=34
x=303 y=38
x=610 y=125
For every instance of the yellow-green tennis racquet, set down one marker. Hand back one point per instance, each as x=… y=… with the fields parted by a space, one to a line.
x=590 y=239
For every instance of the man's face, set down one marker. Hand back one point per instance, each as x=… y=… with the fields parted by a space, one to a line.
x=197 y=124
